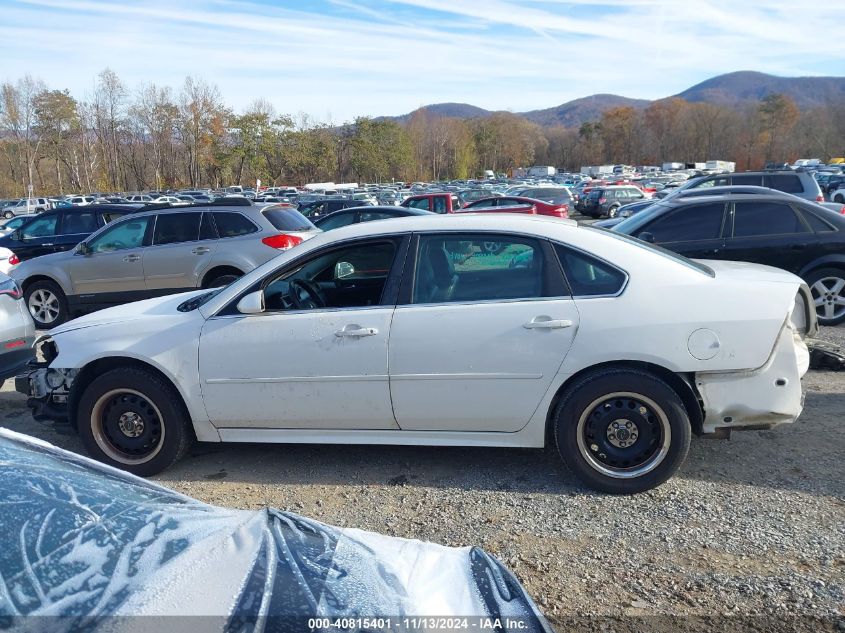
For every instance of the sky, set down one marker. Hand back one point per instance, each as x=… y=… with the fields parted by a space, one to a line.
x=337 y=59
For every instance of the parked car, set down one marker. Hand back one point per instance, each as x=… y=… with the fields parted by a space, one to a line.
x=140 y=198
x=17 y=332
x=786 y=232
x=466 y=196
x=838 y=195
x=551 y=195
x=60 y=229
x=26 y=206
x=326 y=206
x=80 y=201
x=517 y=204
x=437 y=202
x=158 y=252
x=109 y=544
x=799 y=183
x=606 y=201
x=381 y=333
x=354 y=215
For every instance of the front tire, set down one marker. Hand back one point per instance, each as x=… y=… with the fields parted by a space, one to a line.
x=622 y=431
x=47 y=304
x=133 y=419
x=612 y=211
x=8 y=215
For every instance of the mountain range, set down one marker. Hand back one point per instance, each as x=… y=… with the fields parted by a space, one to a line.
x=732 y=90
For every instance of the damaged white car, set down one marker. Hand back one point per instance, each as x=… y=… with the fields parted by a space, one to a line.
x=478 y=330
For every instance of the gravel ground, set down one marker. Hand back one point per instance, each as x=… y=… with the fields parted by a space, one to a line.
x=751 y=526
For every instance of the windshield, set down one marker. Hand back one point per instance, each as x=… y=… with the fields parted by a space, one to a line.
x=634 y=223
x=286 y=219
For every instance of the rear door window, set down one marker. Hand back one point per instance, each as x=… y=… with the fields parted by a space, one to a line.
x=747 y=179
x=232 y=224
x=753 y=219
x=173 y=228
x=79 y=223
x=688 y=223
x=336 y=220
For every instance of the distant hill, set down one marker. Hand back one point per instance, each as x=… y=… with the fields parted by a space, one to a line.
x=451 y=110
x=574 y=113
x=732 y=89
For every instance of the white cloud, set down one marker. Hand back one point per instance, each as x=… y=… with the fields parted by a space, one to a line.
x=364 y=57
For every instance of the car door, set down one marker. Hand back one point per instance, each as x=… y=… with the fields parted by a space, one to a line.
x=480 y=335
x=110 y=269
x=693 y=230
x=37 y=237
x=769 y=232
x=308 y=362
x=176 y=257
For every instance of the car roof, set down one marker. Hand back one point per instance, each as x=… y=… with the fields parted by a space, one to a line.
x=387 y=208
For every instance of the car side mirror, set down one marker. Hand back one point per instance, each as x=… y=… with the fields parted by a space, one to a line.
x=253 y=303
x=343 y=269
x=645 y=236
x=83 y=249
x=15 y=235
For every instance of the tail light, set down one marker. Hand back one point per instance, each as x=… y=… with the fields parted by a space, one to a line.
x=11 y=288
x=14 y=260
x=562 y=210
x=282 y=241
x=842 y=210
x=602 y=200
x=819 y=198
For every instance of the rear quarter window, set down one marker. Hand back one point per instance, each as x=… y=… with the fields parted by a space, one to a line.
x=587 y=275
x=287 y=219
x=233 y=224
x=785 y=182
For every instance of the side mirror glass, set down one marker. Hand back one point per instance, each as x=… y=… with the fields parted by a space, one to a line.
x=83 y=248
x=253 y=303
x=343 y=269
x=645 y=236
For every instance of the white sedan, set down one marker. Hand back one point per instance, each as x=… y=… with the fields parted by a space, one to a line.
x=478 y=330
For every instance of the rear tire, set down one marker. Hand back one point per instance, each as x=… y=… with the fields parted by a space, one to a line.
x=621 y=431
x=827 y=286
x=133 y=419
x=8 y=215
x=47 y=304
x=612 y=211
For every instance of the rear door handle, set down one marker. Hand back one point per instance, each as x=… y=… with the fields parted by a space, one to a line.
x=200 y=250
x=545 y=323
x=132 y=258
x=48 y=244
x=356 y=331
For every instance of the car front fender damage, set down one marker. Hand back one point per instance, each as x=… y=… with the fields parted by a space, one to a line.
x=761 y=398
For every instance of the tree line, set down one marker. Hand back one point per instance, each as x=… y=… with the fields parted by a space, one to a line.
x=156 y=138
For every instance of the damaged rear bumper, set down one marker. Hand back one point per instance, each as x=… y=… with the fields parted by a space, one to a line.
x=760 y=398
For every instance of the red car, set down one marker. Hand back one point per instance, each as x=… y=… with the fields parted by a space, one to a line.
x=517 y=204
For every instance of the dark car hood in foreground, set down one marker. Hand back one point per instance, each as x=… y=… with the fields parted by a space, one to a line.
x=87 y=542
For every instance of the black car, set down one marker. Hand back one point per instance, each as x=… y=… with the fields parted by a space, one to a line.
x=354 y=215
x=801 y=237
x=318 y=208
x=61 y=229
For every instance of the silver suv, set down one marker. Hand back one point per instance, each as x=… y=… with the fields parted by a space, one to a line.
x=156 y=252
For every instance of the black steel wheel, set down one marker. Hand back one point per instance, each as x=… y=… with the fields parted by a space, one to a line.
x=621 y=430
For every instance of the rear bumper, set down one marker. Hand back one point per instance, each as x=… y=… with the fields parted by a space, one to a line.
x=760 y=398
x=14 y=362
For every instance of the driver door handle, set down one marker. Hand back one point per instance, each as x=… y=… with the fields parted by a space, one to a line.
x=200 y=250
x=356 y=331
x=545 y=323
x=132 y=258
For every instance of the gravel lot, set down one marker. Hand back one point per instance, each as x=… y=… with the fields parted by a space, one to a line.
x=750 y=526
